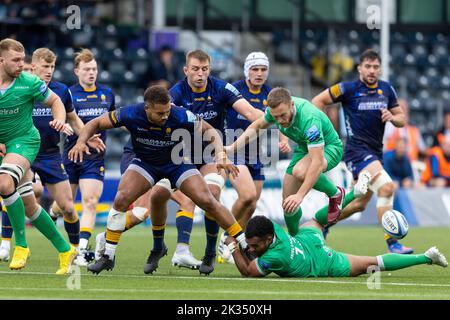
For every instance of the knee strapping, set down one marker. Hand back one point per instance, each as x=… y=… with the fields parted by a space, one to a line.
x=15 y=171
x=116 y=220
x=25 y=189
x=382 y=179
x=215 y=179
x=165 y=183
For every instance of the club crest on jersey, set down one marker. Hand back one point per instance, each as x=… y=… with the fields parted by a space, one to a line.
x=380 y=92
x=168 y=130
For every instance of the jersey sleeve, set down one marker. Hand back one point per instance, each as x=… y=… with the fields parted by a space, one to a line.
x=313 y=133
x=338 y=92
x=268 y=117
x=231 y=94
x=268 y=263
x=67 y=101
x=112 y=107
x=175 y=96
x=191 y=122
x=392 y=99
x=41 y=92
x=120 y=117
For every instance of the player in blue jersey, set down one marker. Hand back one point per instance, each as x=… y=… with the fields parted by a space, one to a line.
x=153 y=125
x=250 y=181
x=48 y=164
x=90 y=100
x=209 y=98
x=368 y=104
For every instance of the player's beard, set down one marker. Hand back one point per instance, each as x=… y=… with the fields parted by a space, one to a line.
x=11 y=74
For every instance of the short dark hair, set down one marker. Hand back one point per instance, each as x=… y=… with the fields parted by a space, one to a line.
x=259 y=226
x=278 y=96
x=156 y=95
x=370 y=55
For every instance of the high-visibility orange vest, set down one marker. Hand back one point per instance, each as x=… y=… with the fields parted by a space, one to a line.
x=444 y=165
x=412 y=135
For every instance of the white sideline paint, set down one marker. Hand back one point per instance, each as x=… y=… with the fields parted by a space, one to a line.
x=290 y=280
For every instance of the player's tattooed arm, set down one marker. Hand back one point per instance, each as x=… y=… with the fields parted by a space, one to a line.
x=103 y=122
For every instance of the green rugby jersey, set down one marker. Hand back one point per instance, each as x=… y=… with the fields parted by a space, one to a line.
x=17 y=103
x=310 y=127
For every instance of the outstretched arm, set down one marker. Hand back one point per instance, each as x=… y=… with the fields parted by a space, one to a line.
x=322 y=100
x=249 y=135
x=98 y=124
x=244 y=108
x=246 y=267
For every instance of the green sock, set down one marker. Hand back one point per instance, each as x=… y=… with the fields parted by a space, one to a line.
x=292 y=221
x=321 y=215
x=45 y=225
x=325 y=185
x=395 y=261
x=16 y=214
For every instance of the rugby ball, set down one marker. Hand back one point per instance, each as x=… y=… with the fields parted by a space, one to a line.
x=395 y=224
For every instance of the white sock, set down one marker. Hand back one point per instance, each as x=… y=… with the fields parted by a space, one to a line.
x=110 y=250
x=83 y=244
x=182 y=248
x=6 y=244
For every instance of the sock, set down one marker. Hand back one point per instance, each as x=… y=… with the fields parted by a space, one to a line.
x=321 y=215
x=42 y=221
x=325 y=185
x=389 y=239
x=7 y=230
x=235 y=230
x=73 y=231
x=212 y=231
x=394 y=261
x=182 y=248
x=184 y=221
x=112 y=240
x=85 y=234
x=16 y=214
x=292 y=221
x=158 y=237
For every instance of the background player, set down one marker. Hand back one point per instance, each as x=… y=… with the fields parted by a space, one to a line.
x=90 y=100
x=368 y=104
x=19 y=145
x=48 y=163
x=209 y=98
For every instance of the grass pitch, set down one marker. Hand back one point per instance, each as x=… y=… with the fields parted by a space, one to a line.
x=128 y=281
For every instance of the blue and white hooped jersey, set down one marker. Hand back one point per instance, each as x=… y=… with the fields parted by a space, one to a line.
x=90 y=104
x=152 y=143
x=362 y=109
x=42 y=115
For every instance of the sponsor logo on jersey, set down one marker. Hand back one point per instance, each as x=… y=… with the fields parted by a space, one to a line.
x=91 y=112
x=43 y=89
x=22 y=87
x=208 y=115
x=313 y=134
x=190 y=116
x=200 y=99
x=7 y=112
x=155 y=143
x=92 y=96
x=42 y=112
x=372 y=105
x=255 y=100
x=231 y=88
x=155 y=128
x=81 y=99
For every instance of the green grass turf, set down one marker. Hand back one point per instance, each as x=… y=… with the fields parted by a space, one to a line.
x=127 y=280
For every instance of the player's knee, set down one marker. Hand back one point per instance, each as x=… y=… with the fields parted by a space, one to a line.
x=67 y=209
x=299 y=173
x=6 y=185
x=386 y=190
x=90 y=203
x=249 y=200
x=122 y=200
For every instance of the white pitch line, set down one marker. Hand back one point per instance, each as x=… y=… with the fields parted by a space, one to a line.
x=376 y=293
x=290 y=280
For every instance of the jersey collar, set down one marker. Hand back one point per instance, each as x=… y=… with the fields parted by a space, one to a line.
x=3 y=91
x=374 y=86
x=89 y=89
x=198 y=90
x=252 y=91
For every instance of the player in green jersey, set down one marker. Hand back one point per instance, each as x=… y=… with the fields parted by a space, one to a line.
x=306 y=254
x=19 y=145
x=319 y=149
